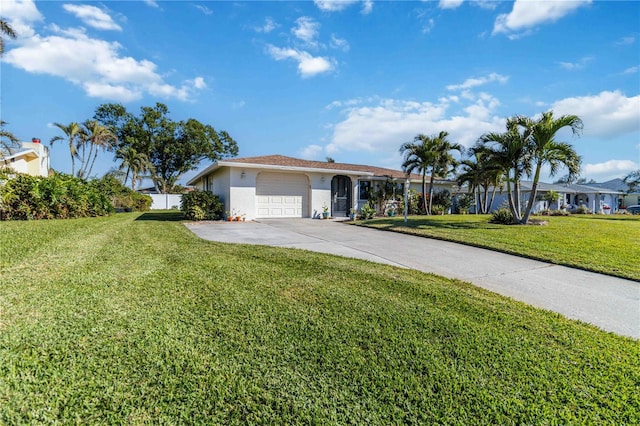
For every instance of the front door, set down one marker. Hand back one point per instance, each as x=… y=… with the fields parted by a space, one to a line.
x=340 y=196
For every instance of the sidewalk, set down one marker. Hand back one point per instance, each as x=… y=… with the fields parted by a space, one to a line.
x=610 y=303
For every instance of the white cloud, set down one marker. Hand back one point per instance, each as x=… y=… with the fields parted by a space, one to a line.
x=308 y=65
x=21 y=16
x=527 y=14
x=203 y=9
x=428 y=25
x=576 y=65
x=96 y=66
x=311 y=152
x=384 y=124
x=631 y=70
x=610 y=168
x=605 y=115
x=92 y=16
x=338 y=5
x=625 y=41
x=449 y=4
x=268 y=26
x=238 y=104
x=151 y=3
x=479 y=81
x=306 y=29
x=338 y=43
x=198 y=83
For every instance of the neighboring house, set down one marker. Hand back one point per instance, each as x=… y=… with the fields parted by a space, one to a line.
x=594 y=198
x=32 y=158
x=279 y=186
x=627 y=199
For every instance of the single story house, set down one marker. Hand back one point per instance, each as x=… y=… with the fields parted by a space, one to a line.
x=32 y=158
x=597 y=199
x=276 y=186
x=629 y=198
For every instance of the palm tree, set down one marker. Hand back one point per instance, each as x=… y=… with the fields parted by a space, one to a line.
x=443 y=161
x=544 y=149
x=482 y=176
x=72 y=134
x=96 y=136
x=134 y=162
x=418 y=157
x=6 y=29
x=510 y=153
x=429 y=153
x=8 y=140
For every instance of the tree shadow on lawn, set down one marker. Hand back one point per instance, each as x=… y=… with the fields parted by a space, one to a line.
x=162 y=216
x=427 y=223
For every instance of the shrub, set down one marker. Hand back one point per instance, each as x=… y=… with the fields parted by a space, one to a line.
x=463 y=203
x=367 y=212
x=583 y=210
x=201 y=205
x=59 y=196
x=502 y=216
x=442 y=199
x=437 y=209
x=558 y=213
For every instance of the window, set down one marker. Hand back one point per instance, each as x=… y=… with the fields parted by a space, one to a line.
x=365 y=189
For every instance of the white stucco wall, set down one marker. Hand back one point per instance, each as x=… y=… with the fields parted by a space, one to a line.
x=320 y=192
x=242 y=194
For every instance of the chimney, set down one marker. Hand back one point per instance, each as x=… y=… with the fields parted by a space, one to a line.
x=35 y=140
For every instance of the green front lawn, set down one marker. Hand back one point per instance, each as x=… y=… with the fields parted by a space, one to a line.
x=132 y=319
x=606 y=244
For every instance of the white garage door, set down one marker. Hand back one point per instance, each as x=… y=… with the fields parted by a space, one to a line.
x=282 y=195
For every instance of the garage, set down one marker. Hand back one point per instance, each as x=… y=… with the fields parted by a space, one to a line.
x=282 y=195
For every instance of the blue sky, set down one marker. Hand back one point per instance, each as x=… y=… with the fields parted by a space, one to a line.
x=352 y=80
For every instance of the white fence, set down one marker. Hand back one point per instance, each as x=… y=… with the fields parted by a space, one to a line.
x=165 y=201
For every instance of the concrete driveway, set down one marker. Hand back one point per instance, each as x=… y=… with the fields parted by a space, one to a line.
x=610 y=303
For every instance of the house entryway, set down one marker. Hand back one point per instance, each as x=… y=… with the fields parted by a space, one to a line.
x=340 y=196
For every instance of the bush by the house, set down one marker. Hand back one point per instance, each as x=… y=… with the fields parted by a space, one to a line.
x=583 y=210
x=59 y=196
x=463 y=203
x=441 y=202
x=201 y=205
x=502 y=216
x=121 y=197
x=367 y=212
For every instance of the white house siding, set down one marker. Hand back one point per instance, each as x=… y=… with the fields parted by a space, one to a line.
x=320 y=192
x=280 y=194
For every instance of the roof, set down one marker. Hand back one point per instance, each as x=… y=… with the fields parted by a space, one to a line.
x=21 y=153
x=613 y=184
x=296 y=164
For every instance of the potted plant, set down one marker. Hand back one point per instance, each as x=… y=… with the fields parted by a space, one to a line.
x=392 y=212
x=352 y=213
x=325 y=211
x=228 y=215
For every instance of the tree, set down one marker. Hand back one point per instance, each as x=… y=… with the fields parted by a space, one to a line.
x=8 y=141
x=418 y=158
x=482 y=176
x=97 y=137
x=172 y=148
x=633 y=181
x=443 y=161
x=134 y=162
x=72 y=134
x=6 y=30
x=545 y=150
x=509 y=151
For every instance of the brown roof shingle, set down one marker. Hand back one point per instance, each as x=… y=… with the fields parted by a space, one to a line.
x=281 y=160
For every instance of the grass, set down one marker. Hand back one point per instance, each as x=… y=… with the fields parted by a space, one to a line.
x=120 y=320
x=605 y=244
